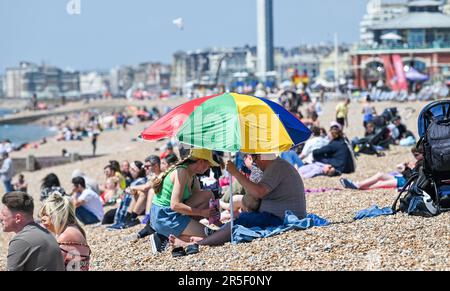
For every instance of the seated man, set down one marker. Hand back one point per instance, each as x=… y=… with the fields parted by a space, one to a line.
x=317 y=169
x=280 y=189
x=87 y=203
x=33 y=248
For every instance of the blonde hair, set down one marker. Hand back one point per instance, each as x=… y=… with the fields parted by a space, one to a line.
x=61 y=212
x=113 y=180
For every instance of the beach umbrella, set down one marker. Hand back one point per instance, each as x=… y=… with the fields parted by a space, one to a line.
x=231 y=123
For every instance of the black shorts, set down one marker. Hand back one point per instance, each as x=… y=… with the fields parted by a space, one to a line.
x=341 y=121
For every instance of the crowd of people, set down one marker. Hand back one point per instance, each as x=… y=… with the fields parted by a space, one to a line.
x=180 y=196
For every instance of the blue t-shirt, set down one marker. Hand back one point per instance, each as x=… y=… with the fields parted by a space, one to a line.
x=368 y=114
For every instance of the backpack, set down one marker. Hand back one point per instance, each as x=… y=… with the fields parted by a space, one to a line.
x=437 y=146
x=417 y=201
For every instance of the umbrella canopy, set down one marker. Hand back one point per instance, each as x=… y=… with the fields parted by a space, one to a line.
x=231 y=123
x=391 y=36
x=415 y=76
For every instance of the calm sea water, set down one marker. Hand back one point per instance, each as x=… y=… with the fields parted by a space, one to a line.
x=23 y=133
x=5 y=111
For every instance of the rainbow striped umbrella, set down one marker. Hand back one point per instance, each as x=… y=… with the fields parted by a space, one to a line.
x=231 y=123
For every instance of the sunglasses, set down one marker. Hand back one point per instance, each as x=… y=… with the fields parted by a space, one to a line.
x=148 y=166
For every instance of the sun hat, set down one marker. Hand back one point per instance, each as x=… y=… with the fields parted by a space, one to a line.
x=204 y=154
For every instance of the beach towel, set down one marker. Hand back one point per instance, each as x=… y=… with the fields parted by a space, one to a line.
x=291 y=222
x=321 y=190
x=372 y=212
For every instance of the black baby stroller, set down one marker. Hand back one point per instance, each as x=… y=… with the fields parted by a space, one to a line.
x=428 y=190
x=369 y=144
x=381 y=138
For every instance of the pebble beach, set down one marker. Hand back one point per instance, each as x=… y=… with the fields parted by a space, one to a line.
x=398 y=242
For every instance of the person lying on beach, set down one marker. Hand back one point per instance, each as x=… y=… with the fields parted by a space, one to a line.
x=179 y=201
x=280 y=189
x=390 y=180
x=317 y=169
x=58 y=216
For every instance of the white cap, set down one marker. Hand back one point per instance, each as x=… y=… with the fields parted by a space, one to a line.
x=336 y=124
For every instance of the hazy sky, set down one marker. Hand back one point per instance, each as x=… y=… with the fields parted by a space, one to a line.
x=108 y=33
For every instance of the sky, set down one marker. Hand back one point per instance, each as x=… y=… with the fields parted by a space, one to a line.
x=106 y=34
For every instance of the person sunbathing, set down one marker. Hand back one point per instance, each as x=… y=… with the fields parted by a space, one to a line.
x=387 y=180
x=318 y=169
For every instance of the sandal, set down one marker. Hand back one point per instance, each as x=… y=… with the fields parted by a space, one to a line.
x=192 y=249
x=178 y=252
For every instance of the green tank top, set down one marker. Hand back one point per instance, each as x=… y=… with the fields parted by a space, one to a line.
x=163 y=199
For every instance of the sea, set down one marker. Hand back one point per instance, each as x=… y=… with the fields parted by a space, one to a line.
x=23 y=133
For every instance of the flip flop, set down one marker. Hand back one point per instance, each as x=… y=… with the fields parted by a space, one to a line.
x=192 y=249
x=178 y=252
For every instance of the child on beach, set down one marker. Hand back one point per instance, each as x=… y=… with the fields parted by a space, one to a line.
x=112 y=192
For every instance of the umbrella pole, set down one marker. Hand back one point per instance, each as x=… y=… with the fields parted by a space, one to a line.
x=231 y=204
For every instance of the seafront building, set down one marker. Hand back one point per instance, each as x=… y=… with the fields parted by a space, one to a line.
x=417 y=41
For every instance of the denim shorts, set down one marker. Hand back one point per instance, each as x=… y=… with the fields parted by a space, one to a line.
x=167 y=222
x=258 y=219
